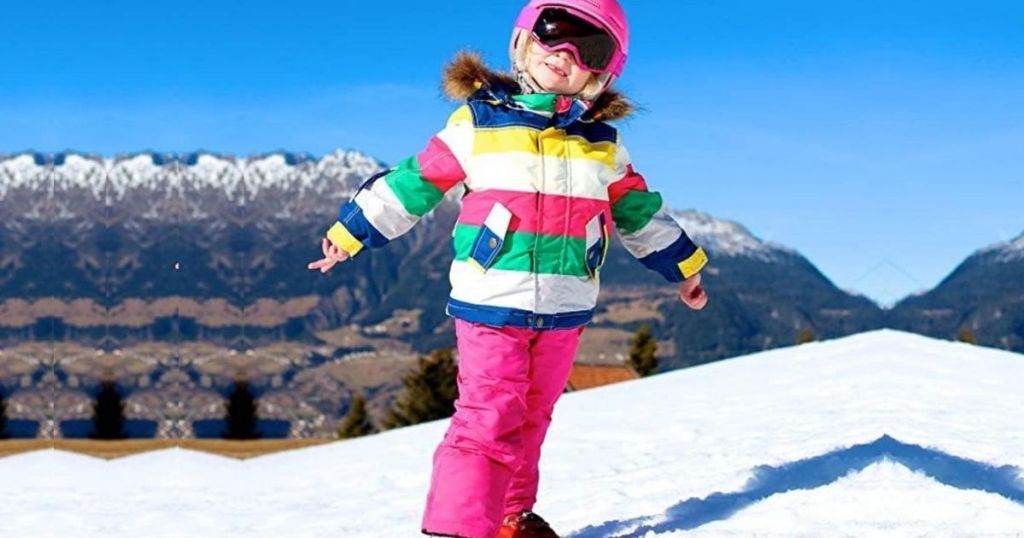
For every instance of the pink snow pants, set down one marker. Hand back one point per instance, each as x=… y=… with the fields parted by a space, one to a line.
x=509 y=380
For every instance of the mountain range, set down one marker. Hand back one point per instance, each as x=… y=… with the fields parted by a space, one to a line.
x=213 y=248
x=148 y=266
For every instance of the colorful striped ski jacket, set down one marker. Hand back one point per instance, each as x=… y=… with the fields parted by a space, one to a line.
x=545 y=179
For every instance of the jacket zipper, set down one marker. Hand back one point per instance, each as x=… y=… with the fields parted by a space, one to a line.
x=536 y=239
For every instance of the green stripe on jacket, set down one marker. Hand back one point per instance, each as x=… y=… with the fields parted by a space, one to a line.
x=634 y=210
x=554 y=254
x=417 y=195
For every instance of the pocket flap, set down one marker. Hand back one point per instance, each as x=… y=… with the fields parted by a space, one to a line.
x=597 y=243
x=491 y=237
x=594 y=230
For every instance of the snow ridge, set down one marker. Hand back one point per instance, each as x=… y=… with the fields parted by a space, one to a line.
x=240 y=179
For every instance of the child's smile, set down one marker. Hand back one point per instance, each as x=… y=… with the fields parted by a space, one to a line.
x=559 y=71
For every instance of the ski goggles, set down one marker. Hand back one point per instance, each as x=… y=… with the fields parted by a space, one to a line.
x=590 y=45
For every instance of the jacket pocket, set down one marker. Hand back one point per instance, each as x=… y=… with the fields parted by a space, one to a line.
x=491 y=237
x=597 y=244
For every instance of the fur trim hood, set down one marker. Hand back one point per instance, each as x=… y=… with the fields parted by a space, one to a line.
x=467 y=73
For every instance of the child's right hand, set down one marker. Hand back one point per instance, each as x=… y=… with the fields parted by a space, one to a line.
x=332 y=255
x=692 y=294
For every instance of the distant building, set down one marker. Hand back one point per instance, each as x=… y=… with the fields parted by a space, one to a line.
x=587 y=376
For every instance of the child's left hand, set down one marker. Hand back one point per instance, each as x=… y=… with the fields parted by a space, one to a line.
x=332 y=255
x=692 y=294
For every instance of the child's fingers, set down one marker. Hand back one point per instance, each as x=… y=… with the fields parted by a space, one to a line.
x=338 y=254
x=697 y=299
x=692 y=293
x=325 y=245
x=323 y=265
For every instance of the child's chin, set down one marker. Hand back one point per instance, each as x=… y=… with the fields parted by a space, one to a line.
x=552 y=88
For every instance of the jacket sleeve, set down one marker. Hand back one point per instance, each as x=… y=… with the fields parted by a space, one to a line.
x=390 y=203
x=647 y=229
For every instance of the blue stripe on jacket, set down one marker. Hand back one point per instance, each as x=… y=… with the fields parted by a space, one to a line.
x=351 y=216
x=492 y=116
x=499 y=317
x=666 y=261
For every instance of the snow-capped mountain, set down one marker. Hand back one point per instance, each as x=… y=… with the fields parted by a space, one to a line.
x=855 y=437
x=981 y=298
x=728 y=238
x=285 y=177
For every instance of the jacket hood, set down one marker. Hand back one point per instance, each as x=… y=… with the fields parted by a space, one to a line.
x=467 y=74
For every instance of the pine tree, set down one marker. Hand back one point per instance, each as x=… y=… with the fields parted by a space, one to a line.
x=641 y=354
x=241 y=413
x=430 y=392
x=967 y=335
x=108 y=413
x=806 y=336
x=4 y=434
x=357 y=421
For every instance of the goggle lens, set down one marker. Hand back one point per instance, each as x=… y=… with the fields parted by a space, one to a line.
x=593 y=46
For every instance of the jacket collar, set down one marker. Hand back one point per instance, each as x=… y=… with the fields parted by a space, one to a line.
x=562 y=110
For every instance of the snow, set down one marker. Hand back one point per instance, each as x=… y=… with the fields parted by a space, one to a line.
x=878 y=434
x=114 y=178
x=18 y=171
x=1006 y=252
x=728 y=238
x=1013 y=250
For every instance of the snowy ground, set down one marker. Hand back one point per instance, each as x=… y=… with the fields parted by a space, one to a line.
x=879 y=434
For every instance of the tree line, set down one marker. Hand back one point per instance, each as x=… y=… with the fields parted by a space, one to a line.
x=429 y=393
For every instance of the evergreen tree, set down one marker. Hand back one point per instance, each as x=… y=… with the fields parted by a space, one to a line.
x=967 y=335
x=357 y=421
x=641 y=353
x=430 y=392
x=806 y=336
x=4 y=434
x=241 y=413
x=108 y=413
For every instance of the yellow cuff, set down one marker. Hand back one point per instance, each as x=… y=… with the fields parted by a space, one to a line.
x=343 y=239
x=692 y=265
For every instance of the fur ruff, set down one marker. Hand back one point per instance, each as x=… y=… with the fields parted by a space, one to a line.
x=467 y=73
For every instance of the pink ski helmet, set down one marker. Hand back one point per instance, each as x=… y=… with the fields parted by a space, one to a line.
x=605 y=62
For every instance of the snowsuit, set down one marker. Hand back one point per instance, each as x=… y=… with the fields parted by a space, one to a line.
x=545 y=177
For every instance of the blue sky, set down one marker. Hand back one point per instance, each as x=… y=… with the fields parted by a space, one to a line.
x=883 y=140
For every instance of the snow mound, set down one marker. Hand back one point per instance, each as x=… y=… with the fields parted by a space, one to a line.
x=878 y=434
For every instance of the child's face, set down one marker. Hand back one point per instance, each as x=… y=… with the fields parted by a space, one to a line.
x=556 y=72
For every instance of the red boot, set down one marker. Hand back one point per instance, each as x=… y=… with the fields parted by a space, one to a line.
x=525 y=524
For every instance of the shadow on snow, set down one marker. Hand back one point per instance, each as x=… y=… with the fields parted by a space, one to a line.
x=815 y=472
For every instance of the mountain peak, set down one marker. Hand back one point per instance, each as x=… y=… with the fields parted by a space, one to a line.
x=1006 y=251
x=726 y=237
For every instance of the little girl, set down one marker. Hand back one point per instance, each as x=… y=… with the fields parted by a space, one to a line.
x=545 y=175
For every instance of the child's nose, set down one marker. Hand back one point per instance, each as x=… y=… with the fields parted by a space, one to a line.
x=565 y=57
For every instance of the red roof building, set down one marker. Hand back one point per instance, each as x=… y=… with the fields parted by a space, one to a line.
x=587 y=376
